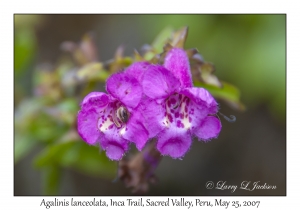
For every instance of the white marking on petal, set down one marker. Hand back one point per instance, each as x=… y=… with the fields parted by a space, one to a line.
x=123 y=130
x=105 y=125
x=185 y=120
x=177 y=112
x=186 y=123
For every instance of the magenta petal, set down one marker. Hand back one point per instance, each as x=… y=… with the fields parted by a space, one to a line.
x=136 y=132
x=202 y=98
x=137 y=70
x=153 y=114
x=114 y=151
x=125 y=88
x=113 y=143
x=177 y=62
x=209 y=128
x=95 y=100
x=159 y=83
x=174 y=143
x=87 y=122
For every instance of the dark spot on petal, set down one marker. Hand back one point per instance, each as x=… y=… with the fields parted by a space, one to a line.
x=185 y=108
x=187 y=102
x=127 y=92
x=170 y=118
x=173 y=101
x=169 y=104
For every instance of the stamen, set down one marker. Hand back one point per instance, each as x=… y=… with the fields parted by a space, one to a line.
x=233 y=118
x=122 y=114
x=116 y=120
x=176 y=105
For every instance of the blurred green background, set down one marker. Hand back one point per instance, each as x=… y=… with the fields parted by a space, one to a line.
x=248 y=51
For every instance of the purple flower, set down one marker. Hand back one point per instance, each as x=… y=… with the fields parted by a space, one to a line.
x=175 y=111
x=111 y=119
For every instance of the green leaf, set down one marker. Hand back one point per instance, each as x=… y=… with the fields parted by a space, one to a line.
x=127 y=61
x=32 y=123
x=161 y=39
x=67 y=111
x=22 y=146
x=51 y=177
x=24 y=49
x=46 y=129
x=227 y=92
x=149 y=55
x=77 y=155
x=92 y=71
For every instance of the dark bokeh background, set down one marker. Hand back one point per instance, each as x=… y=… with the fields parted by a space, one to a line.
x=247 y=50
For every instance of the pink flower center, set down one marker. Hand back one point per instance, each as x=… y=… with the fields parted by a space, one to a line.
x=177 y=111
x=115 y=114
